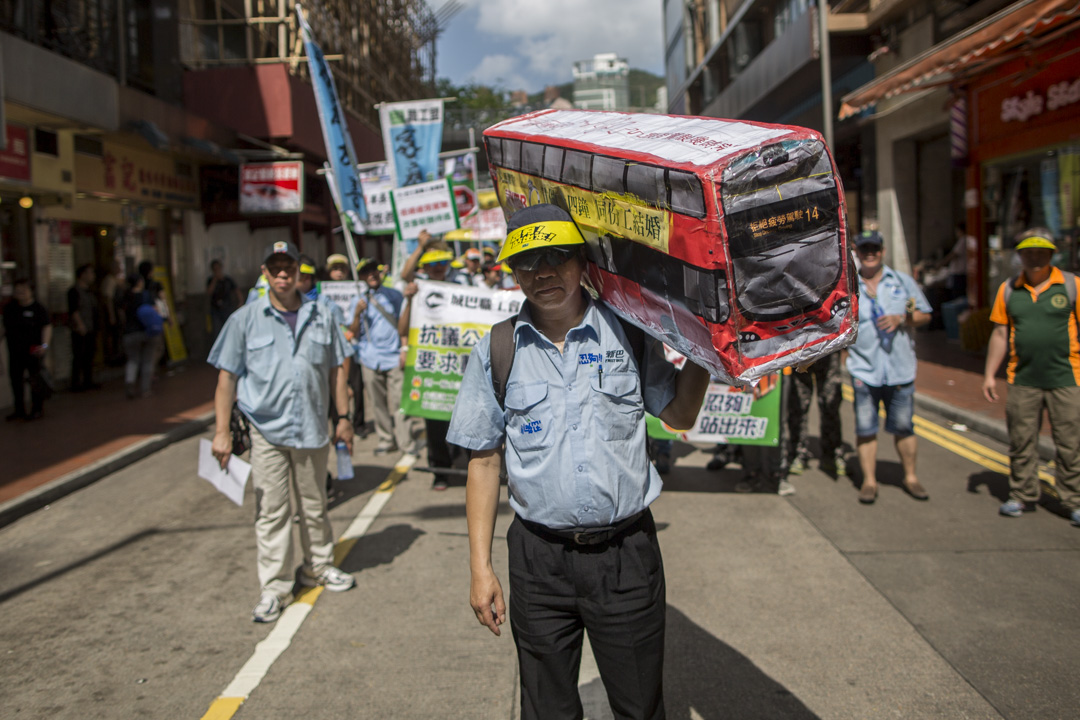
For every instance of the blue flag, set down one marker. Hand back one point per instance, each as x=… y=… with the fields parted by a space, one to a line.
x=412 y=138
x=339 y=146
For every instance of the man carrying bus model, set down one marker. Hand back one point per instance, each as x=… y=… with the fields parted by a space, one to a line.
x=583 y=551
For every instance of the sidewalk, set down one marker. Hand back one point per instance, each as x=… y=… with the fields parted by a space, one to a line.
x=84 y=436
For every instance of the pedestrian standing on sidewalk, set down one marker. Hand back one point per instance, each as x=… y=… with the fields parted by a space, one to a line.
x=277 y=358
x=583 y=552
x=224 y=295
x=28 y=332
x=882 y=363
x=83 y=313
x=1036 y=315
x=142 y=339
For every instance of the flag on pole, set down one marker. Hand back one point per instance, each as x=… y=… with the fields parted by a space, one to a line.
x=412 y=137
x=340 y=153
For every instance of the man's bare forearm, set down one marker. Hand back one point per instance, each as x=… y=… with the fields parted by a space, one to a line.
x=224 y=396
x=482 y=505
x=690 y=386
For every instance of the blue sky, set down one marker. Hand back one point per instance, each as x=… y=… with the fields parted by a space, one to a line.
x=526 y=45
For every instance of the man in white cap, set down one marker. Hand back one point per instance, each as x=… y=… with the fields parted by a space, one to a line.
x=1036 y=315
x=278 y=357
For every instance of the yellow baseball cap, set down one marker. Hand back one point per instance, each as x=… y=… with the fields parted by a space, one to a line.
x=1036 y=241
x=434 y=256
x=337 y=259
x=538 y=227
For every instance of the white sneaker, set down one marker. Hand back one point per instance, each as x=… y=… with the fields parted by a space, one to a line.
x=331 y=578
x=786 y=488
x=269 y=607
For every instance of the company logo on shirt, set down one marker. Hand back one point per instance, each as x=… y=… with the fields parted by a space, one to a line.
x=589 y=358
x=531 y=427
x=1059 y=301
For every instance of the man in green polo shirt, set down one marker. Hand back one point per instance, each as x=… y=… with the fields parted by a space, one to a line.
x=1036 y=314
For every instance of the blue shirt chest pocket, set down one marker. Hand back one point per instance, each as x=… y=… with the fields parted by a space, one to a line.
x=259 y=356
x=318 y=340
x=617 y=406
x=529 y=416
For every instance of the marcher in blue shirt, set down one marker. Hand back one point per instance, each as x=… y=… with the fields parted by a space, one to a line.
x=278 y=358
x=381 y=356
x=583 y=552
x=882 y=362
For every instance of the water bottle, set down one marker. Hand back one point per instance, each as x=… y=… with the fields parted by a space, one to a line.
x=344 y=462
x=885 y=336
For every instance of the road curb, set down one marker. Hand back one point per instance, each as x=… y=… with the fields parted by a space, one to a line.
x=64 y=485
x=996 y=429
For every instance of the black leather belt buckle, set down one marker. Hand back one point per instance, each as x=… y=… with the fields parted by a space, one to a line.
x=591 y=537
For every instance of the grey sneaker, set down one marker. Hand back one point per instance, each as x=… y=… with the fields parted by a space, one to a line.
x=331 y=578
x=1013 y=508
x=269 y=607
x=1076 y=517
x=786 y=488
x=798 y=467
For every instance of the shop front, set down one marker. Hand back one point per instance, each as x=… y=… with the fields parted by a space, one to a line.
x=1024 y=134
x=16 y=227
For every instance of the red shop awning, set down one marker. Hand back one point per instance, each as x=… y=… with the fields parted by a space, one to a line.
x=968 y=51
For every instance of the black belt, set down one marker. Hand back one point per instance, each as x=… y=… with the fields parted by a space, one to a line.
x=586 y=536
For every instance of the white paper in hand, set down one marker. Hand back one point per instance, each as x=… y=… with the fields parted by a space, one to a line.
x=230 y=482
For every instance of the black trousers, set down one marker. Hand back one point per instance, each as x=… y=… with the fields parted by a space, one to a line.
x=82 y=359
x=440 y=453
x=23 y=367
x=615 y=592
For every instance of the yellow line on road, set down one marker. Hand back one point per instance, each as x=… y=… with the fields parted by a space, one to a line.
x=953 y=441
x=286 y=627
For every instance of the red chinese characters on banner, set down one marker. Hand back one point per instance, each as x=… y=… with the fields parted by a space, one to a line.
x=15 y=160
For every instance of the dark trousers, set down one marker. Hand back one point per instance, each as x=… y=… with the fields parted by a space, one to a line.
x=826 y=374
x=440 y=453
x=82 y=359
x=356 y=382
x=23 y=367
x=616 y=592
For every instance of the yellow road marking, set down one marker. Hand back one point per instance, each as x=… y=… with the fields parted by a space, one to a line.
x=953 y=441
x=267 y=651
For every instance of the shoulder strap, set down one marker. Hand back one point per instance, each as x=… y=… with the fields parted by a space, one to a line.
x=1070 y=293
x=502 y=356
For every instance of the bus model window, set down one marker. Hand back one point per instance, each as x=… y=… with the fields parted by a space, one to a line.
x=706 y=294
x=577 y=168
x=646 y=183
x=686 y=195
x=511 y=154
x=607 y=175
x=532 y=158
x=494 y=151
x=553 y=159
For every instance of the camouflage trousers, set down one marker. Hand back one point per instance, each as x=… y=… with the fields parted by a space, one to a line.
x=826 y=375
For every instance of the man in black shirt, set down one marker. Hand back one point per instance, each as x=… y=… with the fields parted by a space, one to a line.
x=28 y=331
x=82 y=310
x=224 y=297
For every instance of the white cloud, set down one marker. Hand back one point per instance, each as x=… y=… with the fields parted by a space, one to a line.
x=549 y=36
x=500 y=71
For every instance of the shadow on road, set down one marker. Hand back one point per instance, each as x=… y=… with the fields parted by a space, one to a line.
x=995 y=483
x=704 y=675
x=366 y=478
x=380 y=548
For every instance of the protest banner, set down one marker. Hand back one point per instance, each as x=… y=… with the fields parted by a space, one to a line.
x=447 y=321
x=412 y=138
x=340 y=154
x=429 y=206
x=377 y=184
x=732 y=416
x=460 y=167
x=342 y=293
x=273 y=187
x=724 y=239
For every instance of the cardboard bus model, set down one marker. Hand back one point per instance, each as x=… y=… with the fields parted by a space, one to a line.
x=724 y=239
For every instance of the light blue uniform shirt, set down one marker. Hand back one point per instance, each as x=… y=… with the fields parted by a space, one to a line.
x=575 y=437
x=379 y=344
x=282 y=384
x=867 y=359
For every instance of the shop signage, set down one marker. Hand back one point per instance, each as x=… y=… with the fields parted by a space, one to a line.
x=1058 y=95
x=1027 y=95
x=133 y=174
x=274 y=187
x=15 y=160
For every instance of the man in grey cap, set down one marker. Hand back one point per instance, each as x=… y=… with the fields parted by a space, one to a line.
x=279 y=356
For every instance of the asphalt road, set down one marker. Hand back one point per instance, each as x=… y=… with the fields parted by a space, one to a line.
x=132 y=598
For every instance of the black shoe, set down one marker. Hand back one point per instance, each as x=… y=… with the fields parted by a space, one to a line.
x=440 y=484
x=663 y=464
x=16 y=416
x=36 y=415
x=717 y=463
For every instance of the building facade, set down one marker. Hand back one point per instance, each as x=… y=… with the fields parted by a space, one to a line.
x=602 y=83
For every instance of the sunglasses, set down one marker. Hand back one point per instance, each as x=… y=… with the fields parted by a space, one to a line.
x=439 y=264
x=532 y=260
x=276 y=267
